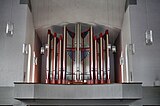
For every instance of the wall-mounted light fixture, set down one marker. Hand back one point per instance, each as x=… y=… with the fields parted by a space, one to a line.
x=148 y=33
x=9 y=29
x=149 y=37
x=25 y=49
x=131 y=48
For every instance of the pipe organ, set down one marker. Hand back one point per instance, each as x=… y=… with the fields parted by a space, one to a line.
x=78 y=57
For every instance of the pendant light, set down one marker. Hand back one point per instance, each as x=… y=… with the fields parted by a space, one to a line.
x=148 y=33
x=10 y=26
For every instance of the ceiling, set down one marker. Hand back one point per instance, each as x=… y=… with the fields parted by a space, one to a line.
x=47 y=13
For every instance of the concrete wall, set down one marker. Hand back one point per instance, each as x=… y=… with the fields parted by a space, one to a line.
x=146 y=61
x=29 y=39
x=55 y=12
x=126 y=40
x=151 y=97
x=11 y=57
x=104 y=12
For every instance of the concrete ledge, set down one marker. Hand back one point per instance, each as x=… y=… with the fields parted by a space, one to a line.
x=150 y=97
x=125 y=91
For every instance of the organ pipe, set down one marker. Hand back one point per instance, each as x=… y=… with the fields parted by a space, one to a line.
x=64 y=55
x=107 y=59
x=53 y=60
x=96 y=60
x=91 y=53
x=48 y=57
x=101 y=58
x=78 y=51
x=60 y=60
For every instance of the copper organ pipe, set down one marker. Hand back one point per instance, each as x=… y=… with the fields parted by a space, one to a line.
x=53 y=56
x=107 y=60
x=98 y=61
x=95 y=56
x=101 y=58
x=59 y=60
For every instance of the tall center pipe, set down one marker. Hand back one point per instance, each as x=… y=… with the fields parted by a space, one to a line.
x=64 y=54
x=78 y=32
x=91 y=53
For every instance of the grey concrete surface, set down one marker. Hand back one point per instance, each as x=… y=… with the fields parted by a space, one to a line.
x=145 y=15
x=11 y=57
x=150 y=96
x=101 y=91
